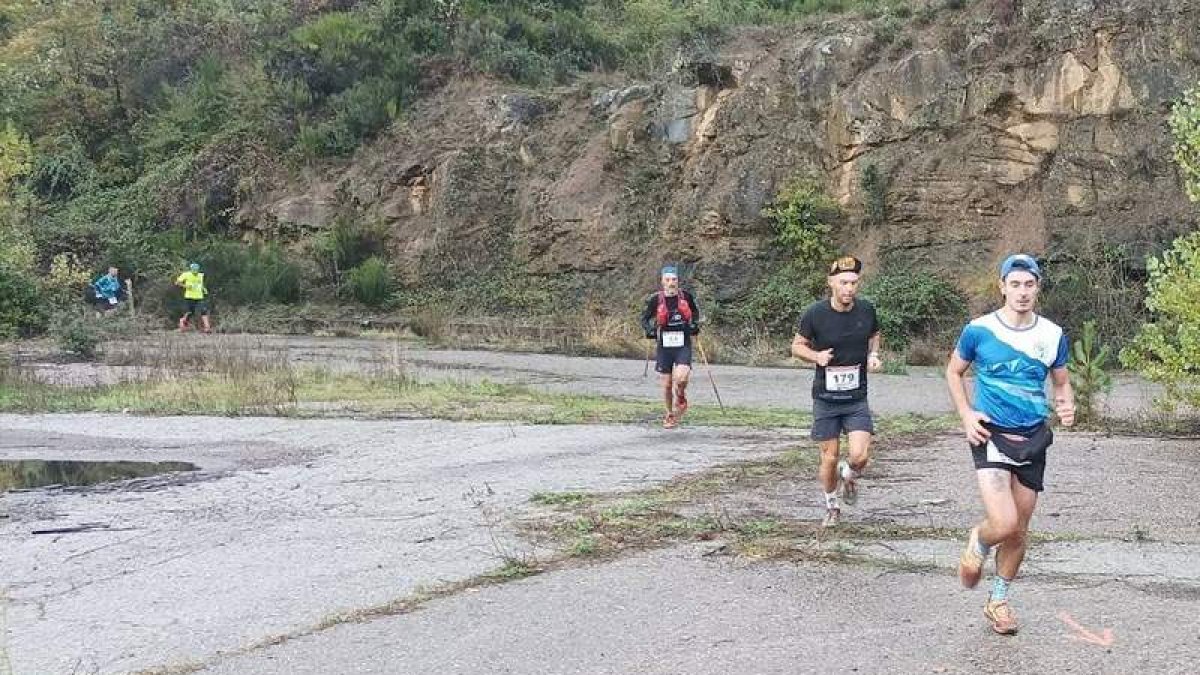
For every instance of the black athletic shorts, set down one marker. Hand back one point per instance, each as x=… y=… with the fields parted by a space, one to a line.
x=831 y=419
x=669 y=357
x=197 y=307
x=1023 y=454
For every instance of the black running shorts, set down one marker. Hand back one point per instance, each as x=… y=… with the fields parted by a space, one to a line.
x=199 y=307
x=1022 y=454
x=669 y=357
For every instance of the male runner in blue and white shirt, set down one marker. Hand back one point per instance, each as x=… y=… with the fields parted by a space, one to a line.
x=1013 y=351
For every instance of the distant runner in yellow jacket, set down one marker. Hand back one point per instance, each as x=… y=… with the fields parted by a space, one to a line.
x=194 y=292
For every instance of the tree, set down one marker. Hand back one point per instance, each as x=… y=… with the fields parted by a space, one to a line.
x=1167 y=350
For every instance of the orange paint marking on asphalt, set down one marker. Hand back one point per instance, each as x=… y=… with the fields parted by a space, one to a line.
x=1104 y=639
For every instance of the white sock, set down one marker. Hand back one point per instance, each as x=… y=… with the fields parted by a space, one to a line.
x=831 y=500
x=848 y=473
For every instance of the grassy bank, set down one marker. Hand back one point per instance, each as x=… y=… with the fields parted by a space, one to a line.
x=285 y=391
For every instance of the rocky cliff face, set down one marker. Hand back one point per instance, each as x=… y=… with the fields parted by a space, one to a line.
x=1035 y=125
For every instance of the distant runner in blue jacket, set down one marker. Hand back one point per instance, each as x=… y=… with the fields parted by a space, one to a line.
x=107 y=291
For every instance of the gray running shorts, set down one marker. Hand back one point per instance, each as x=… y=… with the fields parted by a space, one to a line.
x=830 y=420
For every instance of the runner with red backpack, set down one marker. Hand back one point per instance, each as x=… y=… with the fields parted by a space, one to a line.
x=672 y=319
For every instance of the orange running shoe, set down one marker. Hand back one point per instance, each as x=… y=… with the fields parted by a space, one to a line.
x=1004 y=620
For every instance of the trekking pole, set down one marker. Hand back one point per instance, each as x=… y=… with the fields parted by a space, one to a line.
x=649 y=351
x=713 y=380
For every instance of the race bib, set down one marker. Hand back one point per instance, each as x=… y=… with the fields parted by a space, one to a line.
x=841 y=378
x=112 y=301
x=672 y=338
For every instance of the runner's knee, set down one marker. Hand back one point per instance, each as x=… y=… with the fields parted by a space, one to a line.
x=859 y=447
x=1005 y=528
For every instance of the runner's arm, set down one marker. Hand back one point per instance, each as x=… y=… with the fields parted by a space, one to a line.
x=1064 y=396
x=874 y=361
x=648 y=314
x=802 y=344
x=802 y=349
x=971 y=418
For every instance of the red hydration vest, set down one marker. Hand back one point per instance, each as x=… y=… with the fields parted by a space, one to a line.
x=685 y=310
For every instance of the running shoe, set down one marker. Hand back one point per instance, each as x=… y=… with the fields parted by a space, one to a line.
x=670 y=421
x=970 y=563
x=832 y=517
x=849 y=485
x=1004 y=620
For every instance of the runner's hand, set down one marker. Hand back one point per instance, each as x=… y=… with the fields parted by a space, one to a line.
x=824 y=357
x=1066 y=412
x=874 y=364
x=973 y=426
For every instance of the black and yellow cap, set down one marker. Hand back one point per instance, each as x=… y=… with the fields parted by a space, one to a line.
x=845 y=264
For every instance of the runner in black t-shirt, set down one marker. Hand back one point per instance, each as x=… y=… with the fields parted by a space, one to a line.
x=841 y=336
x=671 y=318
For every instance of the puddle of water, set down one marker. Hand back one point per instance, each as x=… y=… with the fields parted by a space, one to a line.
x=33 y=473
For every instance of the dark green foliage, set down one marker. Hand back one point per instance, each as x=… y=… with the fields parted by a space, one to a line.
x=777 y=303
x=874 y=190
x=22 y=310
x=347 y=245
x=61 y=168
x=76 y=332
x=371 y=282
x=914 y=303
x=1097 y=282
x=267 y=276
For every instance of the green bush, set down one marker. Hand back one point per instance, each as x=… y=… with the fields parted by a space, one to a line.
x=913 y=303
x=371 y=282
x=60 y=169
x=777 y=303
x=22 y=310
x=1185 y=127
x=76 y=333
x=347 y=244
x=803 y=216
x=1089 y=372
x=267 y=276
x=1167 y=349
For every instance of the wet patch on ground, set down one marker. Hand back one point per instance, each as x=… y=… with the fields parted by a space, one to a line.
x=28 y=474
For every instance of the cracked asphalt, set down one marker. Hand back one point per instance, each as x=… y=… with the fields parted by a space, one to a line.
x=258 y=562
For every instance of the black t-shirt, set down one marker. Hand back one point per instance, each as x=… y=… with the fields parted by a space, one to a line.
x=675 y=322
x=848 y=333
